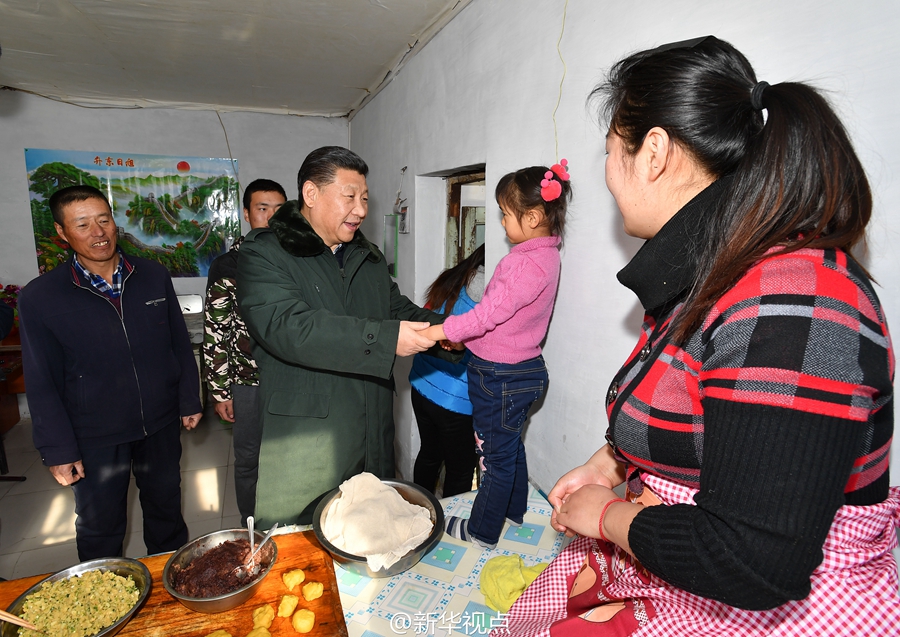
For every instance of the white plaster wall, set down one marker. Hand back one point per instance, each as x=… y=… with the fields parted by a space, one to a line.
x=484 y=90
x=271 y=146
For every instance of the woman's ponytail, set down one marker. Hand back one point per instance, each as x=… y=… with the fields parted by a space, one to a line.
x=800 y=184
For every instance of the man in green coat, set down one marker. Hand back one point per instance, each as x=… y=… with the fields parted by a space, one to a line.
x=327 y=321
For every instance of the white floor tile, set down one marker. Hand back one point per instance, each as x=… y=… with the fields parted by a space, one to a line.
x=37 y=476
x=19 y=463
x=205 y=447
x=52 y=520
x=18 y=438
x=230 y=507
x=203 y=493
x=48 y=559
x=135 y=517
x=202 y=527
x=21 y=460
x=8 y=565
x=134 y=545
x=6 y=486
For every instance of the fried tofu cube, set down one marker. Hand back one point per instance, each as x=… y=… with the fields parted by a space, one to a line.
x=287 y=605
x=263 y=616
x=292 y=578
x=312 y=590
x=303 y=620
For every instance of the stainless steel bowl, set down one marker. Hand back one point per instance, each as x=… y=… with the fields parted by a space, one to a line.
x=123 y=566
x=195 y=548
x=410 y=492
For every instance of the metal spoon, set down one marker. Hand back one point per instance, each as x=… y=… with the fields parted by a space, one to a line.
x=249 y=567
x=250 y=522
x=264 y=540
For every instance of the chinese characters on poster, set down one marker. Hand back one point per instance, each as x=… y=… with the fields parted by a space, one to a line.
x=179 y=211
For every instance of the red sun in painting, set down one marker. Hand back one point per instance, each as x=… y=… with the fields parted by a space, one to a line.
x=183 y=167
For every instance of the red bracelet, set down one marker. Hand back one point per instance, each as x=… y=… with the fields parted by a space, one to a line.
x=603 y=514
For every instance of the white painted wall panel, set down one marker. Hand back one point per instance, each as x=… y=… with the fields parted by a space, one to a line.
x=271 y=146
x=484 y=90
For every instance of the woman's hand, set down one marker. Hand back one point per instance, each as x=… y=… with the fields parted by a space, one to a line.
x=602 y=469
x=580 y=513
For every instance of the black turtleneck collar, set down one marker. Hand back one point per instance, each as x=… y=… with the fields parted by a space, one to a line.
x=666 y=265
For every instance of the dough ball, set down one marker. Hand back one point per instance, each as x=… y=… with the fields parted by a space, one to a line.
x=219 y=633
x=287 y=605
x=259 y=631
x=313 y=590
x=263 y=616
x=292 y=578
x=303 y=620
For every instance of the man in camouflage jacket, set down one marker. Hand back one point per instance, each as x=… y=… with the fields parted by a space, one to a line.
x=231 y=373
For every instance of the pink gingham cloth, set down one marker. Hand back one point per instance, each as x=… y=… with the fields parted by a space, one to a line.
x=854 y=589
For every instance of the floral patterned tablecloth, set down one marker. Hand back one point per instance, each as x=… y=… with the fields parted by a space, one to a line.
x=441 y=595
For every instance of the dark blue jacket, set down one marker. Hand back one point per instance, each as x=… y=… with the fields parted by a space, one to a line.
x=94 y=379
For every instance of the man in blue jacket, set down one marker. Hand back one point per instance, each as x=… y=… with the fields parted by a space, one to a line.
x=110 y=378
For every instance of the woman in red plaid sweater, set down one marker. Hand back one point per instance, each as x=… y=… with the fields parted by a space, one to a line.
x=753 y=420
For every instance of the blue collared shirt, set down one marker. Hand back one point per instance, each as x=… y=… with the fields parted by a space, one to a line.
x=114 y=289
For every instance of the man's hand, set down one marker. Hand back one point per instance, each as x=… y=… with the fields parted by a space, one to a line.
x=411 y=340
x=191 y=421
x=225 y=409
x=67 y=474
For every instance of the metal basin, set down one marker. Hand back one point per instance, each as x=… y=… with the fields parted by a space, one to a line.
x=195 y=548
x=410 y=492
x=123 y=566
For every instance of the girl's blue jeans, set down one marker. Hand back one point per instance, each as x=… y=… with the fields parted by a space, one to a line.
x=501 y=395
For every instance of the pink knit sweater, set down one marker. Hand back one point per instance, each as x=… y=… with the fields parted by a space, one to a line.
x=511 y=320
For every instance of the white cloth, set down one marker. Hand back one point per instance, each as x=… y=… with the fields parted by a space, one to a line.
x=372 y=520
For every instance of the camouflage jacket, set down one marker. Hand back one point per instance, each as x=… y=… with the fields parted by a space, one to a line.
x=227 y=357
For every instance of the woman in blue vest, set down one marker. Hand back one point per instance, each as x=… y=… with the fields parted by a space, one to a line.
x=440 y=391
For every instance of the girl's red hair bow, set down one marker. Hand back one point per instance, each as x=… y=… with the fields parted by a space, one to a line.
x=551 y=188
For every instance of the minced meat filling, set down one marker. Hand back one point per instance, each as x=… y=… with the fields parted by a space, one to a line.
x=213 y=573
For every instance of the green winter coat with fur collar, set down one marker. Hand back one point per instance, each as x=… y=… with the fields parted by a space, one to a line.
x=325 y=342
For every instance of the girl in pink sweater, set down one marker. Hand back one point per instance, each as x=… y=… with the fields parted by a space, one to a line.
x=504 y=331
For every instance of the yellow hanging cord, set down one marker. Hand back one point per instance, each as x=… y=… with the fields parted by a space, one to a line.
x=562 y=79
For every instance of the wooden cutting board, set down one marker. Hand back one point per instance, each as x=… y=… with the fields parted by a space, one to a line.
x=164 y=616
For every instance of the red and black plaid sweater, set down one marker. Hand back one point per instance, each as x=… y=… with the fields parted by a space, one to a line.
x=779 y=410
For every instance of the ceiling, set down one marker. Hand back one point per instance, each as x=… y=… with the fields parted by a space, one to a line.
x=303 y=57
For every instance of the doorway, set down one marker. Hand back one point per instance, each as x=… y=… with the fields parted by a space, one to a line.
x=464 y=230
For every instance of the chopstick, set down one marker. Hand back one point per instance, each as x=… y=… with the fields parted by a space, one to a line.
x=18 y=621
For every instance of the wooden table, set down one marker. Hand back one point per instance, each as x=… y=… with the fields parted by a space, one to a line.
x=164 y=616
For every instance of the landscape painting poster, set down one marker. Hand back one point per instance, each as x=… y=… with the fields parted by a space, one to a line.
x=182 y=212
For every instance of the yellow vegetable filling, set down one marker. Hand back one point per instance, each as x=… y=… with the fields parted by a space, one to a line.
x=79 y=606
